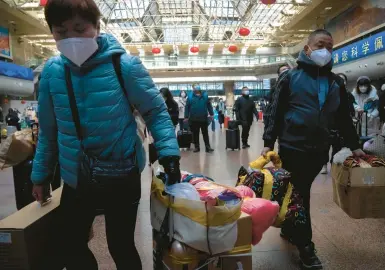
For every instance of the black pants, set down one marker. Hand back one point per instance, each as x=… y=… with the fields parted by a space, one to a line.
x=245 y=132
x=196 y=126
x=120 y=202
x=304 y=168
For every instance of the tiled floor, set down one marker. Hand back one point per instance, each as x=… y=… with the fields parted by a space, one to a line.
x=342 y=243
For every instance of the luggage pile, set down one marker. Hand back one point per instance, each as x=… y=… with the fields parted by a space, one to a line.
x=198 y=223
x=359 y=185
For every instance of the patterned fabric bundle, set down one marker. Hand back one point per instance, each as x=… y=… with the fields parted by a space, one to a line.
x=273 y=183
x=364 y=162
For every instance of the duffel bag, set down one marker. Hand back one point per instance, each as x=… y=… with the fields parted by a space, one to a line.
x=273 y=183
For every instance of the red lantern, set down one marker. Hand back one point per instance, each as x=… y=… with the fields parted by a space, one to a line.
x=194 y=49
x=233 y=48
x=268 y=2
x=22 y=101
x=43 y=3
x=6 y=101
x=155 y=50
x=244 y=32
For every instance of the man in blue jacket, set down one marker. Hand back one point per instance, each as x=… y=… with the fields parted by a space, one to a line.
x=198 y=107
x=308 y=100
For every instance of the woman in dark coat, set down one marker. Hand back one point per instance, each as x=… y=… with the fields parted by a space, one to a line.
x=172 y=105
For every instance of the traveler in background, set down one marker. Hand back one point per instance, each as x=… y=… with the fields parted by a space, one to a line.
x=172 y=105
x=305 y=103
x=282 y=69
x=366 y=101
x=335 y=138
x=381 y=104
x=221 y=108
x=108 y=128
x=350 y=95
x=12 y=119
x=245 y=110
x=198 y=108
x=181 y=106
x=213 y=118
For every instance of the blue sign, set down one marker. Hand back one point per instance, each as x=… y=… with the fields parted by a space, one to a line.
x=360 y=49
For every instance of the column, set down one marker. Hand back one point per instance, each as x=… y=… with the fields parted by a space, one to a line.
x=229 y=92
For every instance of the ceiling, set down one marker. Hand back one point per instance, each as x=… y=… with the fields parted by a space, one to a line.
x=212 y=25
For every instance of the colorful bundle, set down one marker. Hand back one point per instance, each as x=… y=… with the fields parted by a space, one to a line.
x=366 y=161
x=274 y=184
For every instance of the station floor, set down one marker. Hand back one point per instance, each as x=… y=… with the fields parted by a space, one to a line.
x=342 y=243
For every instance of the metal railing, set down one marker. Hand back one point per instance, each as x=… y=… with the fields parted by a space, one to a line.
x=210 y=62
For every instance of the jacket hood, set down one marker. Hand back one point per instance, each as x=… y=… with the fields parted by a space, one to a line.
x=107 y=46
x=372 y=94
x=305 y=62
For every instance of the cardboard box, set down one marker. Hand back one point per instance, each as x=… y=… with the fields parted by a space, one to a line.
x=240 y=256
x=360 y=192
x=29 y=237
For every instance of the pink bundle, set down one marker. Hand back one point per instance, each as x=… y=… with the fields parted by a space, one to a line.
x=263 y=214
x=246 y=192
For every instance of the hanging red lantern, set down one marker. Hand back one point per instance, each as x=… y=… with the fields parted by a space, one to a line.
x=23 y=101
x=43 y=3
x=268 y=2
x=6 y=101
x=244 y=32
x=194 y=49
x=156 y=50
x=233 y=48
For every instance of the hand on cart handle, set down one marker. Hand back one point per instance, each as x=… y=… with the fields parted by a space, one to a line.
x=172 y=169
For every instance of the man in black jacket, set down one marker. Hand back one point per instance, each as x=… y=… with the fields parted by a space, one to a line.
x=245 y=109
x=306 y=102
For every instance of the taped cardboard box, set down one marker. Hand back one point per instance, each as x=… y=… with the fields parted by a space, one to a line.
x=239 y=257
x=29 y=238
x=360 y=192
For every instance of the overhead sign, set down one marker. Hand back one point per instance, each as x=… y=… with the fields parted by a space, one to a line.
x=360 y=49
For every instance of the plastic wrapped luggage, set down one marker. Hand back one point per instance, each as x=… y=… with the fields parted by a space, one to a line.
x=184 y=138
x=233 y=139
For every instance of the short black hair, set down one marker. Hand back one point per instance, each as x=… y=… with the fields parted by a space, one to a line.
x=343 y=75
x=245 y=87
x=281 y=66
x=166 y=93
x=58 y=11
x=319 y=32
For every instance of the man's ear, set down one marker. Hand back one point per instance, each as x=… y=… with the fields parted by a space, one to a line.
x=306 y=48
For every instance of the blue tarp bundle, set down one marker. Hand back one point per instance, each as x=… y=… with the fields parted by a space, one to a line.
x=15 y=71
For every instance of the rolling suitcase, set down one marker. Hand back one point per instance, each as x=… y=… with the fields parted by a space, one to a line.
x=233 y=139
x=184 y=138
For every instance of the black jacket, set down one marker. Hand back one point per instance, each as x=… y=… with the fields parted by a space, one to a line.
x=244 y=109
x=173 y=111
x=295 y=116
x=381 y=106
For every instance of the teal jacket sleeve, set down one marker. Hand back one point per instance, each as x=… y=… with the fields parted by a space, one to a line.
x=46 y=155
x=144 y=96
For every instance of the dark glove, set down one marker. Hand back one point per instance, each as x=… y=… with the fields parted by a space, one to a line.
x=172 y=169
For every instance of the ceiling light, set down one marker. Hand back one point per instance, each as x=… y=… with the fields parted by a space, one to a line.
x=210 y=50
x=328 y=8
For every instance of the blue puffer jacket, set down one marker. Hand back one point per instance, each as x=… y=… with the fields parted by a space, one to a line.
x=108 y=125
x=198 y=107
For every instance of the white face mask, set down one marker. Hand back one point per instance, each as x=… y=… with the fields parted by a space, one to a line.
x=246 y=93
x=321 y=57
x=78 y=50
x=363 y=89
x=183 y=95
